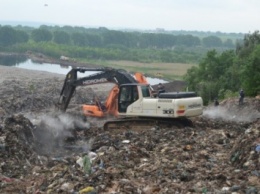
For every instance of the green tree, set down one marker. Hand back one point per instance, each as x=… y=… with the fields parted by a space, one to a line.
x=210 y=77
x=79 y=39
x=229 y=76
x=148 y=40
x=244 y=48
x=21 y=36
x=93 y=40
x=115 y=37
x=61 y=37
x=192 y=78
x=41 y=35
x=166 y=56
x=251 y=72
x=7 y=36
x=212 y=41
x=228 y=43
x=188 y=40
x=165 y=41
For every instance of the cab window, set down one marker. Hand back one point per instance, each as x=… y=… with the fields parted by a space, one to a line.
x=145 y=91
x=127 y=95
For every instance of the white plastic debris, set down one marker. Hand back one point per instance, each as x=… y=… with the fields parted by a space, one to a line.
x=126 y=141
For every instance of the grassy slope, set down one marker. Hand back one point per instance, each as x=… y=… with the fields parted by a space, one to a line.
x=167 y=71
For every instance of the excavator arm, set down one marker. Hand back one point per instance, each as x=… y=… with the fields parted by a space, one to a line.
x=101 y=75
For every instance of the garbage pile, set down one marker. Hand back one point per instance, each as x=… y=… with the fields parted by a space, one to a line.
x=17 y=144
x=35 y=95
x=197 y=159
x=42 y=151
x=27 y=149
x=245 y=154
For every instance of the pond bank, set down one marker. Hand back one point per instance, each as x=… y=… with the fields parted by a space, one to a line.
x=41 y=58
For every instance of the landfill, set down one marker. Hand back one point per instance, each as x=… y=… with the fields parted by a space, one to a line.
x=46 y=151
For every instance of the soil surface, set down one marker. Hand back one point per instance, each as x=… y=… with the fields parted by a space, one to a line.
x=45 y=151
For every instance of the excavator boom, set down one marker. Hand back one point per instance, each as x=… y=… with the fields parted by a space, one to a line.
x=100 y=75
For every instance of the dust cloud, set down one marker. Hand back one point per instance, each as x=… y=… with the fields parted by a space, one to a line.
x=234 y=114
x=62 y=125
x=54 y=130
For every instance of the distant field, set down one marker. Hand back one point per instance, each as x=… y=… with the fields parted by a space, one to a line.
x=168 y=71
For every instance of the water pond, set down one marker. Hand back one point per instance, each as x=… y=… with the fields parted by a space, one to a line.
x=25 y=63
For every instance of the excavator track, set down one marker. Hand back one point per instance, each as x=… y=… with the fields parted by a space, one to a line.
x=140 y=124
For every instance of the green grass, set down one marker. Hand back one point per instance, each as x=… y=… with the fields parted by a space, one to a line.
x=167 y=71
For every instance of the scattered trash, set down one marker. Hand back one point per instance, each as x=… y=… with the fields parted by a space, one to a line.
x=126 y=141
x=187 y=147
x=87 y=164
x=86 y=190
x=257 y=148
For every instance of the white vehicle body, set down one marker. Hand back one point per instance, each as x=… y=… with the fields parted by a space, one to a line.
x=172 y=105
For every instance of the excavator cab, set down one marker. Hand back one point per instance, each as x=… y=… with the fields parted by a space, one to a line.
x=127 y=95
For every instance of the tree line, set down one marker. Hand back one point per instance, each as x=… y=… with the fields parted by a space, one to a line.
x=223 y=74
x=102 y=37
x=102 y=43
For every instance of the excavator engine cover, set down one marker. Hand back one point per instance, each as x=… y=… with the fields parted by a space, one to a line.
x=176 y=95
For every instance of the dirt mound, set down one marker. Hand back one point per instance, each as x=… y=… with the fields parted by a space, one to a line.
x=175 y=86
x=36 y=94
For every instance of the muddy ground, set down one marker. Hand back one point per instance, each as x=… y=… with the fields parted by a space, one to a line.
x=45 y=151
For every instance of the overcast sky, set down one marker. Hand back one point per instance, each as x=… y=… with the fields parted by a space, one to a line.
x=201 y=15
